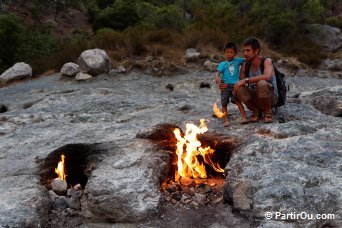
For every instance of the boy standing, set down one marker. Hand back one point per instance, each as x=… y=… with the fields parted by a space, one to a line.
x=228 y=73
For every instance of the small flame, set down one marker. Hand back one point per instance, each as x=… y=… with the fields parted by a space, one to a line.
x=217 y=111
x=188 y=164
x=60 y=170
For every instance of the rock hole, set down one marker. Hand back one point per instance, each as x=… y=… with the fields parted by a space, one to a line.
x=205 y=85
x=189 y=191
x=80 y=160
x=3 y=108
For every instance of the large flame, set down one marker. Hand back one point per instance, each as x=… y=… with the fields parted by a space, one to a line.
x=60 y=170
x=217 y=111
x=188 y=164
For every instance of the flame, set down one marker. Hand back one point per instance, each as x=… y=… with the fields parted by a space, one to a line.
x=60 y=170
x=217 y=111
x=187 y=163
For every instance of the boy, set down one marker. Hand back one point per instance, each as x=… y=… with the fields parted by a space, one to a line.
x=228 y=73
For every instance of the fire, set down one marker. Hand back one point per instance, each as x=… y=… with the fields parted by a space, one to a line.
x=217 y=111
x=60 y=170
x=187 y=163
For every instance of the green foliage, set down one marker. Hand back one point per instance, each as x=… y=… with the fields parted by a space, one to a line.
x=119 y=16
x=311 y=12
x=102 y=4
x=35 y=44
x=334 y=21
x=109 y=39
x=11 y=37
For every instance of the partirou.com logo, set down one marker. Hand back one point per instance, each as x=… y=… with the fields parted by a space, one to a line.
x=277 y=215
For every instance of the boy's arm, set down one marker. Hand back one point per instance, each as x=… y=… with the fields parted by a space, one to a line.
x=242 y=78
x=218 y=77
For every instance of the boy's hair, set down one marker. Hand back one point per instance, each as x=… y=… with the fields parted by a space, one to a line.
x=253 y=42
x=230 y=45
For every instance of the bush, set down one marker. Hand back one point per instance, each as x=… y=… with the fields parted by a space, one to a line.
x=11 y=35
x=117 y=17
x=205 y=36
x=162 y=36
x=109 y=39
x=334 y=21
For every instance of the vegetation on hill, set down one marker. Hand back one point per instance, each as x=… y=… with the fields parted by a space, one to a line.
x=137 y=27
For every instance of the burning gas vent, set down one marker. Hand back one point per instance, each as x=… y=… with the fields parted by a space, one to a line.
x=196 y=162
x=78 y=161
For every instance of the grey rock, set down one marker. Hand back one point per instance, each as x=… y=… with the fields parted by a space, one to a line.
x=192 y=54
x=77 y=187
x=23 y=203
x=199 y=198
x=94 y=62
x=70 y=69
x=60 y=203
x=73 y=202
x=293 y=165
x=17 y=71
x=203 y=189
x=52 y=195
x=242 y=196
x=82 y=76
x=328 y=101
x=59 y=186
x=125 y=187
x=210 y=66
x=121 y=69
x=326 y=36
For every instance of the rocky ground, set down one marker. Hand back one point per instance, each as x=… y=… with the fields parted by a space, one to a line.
x=288 y=167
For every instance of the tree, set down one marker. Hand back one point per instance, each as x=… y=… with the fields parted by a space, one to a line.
x=11 y=35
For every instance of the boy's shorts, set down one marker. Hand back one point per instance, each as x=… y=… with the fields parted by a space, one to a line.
x=227 y=95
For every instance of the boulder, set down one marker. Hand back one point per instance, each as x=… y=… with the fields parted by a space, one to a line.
x=17 y=71
x=192 y=54
x=59 y=186
x=125 y=187
x=328 y=37
x=82 y=76
x=210 y=66
x=328 y=101
x=70 y=69
x=94 y=62
x=290 y=167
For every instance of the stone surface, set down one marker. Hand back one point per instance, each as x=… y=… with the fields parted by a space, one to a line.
x=82 y=76
x=128 y=192
x=94 y=62
x=210 y=66
x=328 y=101
x=290 y=166
x=59 y=186
x=326 y=36
x=17 y=71
x=23 y=201
x=70 y=69
x=192 y=54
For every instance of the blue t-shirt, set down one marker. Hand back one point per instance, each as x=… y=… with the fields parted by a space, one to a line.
x=230 y=70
